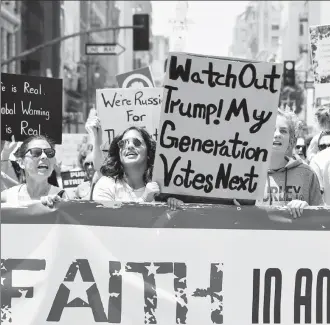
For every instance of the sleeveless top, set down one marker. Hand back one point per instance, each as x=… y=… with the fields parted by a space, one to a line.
x=109 y=189
x=13 y=198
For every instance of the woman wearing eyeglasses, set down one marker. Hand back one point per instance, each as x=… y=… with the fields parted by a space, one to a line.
x=323 y=118
x=36 y=157
x=83 y=190
x=127 y=171
x=300 y=148
x=324 y=140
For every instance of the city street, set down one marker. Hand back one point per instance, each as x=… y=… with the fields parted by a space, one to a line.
x=165 y=162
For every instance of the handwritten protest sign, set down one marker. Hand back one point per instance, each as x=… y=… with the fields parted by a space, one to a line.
x=320 y=49
x=88 y=264
x=216 y=127
x=30 y=106
x=119 y=109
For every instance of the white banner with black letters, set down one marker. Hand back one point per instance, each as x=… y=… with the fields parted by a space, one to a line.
x=86 y=264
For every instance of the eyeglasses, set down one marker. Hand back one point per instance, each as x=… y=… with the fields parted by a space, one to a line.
x=298 y=147
x=86 y=165
x=37 y=152
x=324 y=146
x=136 y=142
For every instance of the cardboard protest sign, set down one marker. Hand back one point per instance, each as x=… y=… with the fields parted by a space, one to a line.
x=88 y=264
x=30 y=106
x=216 y=127
x=320 y=50
x=119 y=109
x=139 y=78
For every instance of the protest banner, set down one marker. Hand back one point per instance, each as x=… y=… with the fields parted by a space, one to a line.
x=30 y=106
x=119 y=109
x=141 y=264
x=216 y=126
x=320 y=50
x=139 y=78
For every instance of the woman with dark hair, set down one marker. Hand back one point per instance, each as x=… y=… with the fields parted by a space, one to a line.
x=127 y=171
x=83 y=190
x=36 y=158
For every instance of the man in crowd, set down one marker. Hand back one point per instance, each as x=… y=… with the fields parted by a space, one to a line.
x=83 y=190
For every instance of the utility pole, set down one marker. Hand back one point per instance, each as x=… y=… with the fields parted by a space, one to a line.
x=88 y=61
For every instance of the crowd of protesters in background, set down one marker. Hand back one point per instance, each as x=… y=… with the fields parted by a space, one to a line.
x=30 y=172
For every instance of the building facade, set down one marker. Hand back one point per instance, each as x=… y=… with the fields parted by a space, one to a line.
x=10 y=41
x=160 y=50
x=279 y=32
x=245 y=34
x=97 y=71
x=297 y=18
x=257 y=32
x=73 y=99
x=36 y=29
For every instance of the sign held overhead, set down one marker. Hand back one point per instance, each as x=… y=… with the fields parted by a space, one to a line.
x=216 y=126
x=31 y=106
x=139 y=78
x=104 y=49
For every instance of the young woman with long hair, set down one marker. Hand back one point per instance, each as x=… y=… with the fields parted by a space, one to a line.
x=127 y=171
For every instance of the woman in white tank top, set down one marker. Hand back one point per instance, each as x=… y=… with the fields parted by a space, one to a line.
x=127 y=171
x=36 y=157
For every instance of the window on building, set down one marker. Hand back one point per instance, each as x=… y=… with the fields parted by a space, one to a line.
x=275 y=27
x=16 y=7
x=2 y=43
x=9 y=45
x=301 y=30
x=275 y=40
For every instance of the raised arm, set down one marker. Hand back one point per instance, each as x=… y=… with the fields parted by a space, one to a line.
x=93 y=127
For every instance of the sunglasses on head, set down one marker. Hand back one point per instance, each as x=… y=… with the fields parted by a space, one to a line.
x=136 y=142
x=37 y=152
x=324 y=146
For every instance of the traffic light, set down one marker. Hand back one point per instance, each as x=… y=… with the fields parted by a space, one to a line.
x=289 y=74
x=141 y=36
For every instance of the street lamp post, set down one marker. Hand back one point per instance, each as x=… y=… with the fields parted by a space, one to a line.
x=92 y=74
x=87 y=83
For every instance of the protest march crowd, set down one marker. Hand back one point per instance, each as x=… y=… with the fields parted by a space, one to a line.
x=298 y=174
x=298 y=166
